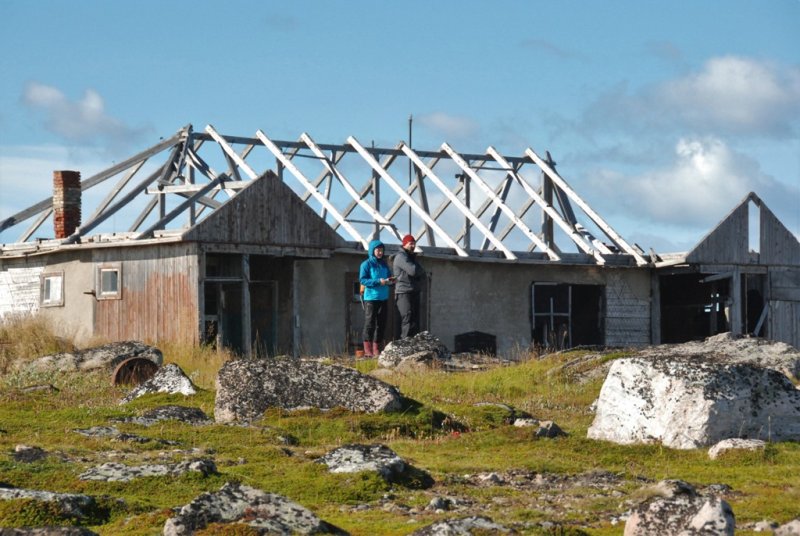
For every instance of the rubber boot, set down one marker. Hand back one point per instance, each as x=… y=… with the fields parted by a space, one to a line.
x=377 y=348
x=367 y=349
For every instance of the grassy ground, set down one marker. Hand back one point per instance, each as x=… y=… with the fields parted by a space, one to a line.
x=442 y=432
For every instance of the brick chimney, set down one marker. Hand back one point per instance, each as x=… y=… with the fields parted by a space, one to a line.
x=66 y=202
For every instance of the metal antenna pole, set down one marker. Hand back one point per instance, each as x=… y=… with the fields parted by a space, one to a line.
x=410 y=167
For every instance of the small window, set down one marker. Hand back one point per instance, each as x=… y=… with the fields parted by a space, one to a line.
x=52 y=289
x=109 y=282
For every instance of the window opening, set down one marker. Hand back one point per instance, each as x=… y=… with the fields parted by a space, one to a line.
x=52 y=290
x=109 y=282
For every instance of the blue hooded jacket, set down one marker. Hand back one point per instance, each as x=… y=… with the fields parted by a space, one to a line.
x=371 y=272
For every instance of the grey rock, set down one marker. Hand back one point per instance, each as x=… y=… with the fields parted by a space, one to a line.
x=184 y=414
x=677 y=510
x=107 y=357
x=26 y=454
x=792 y=528
x=69 y=504
x=464 y=526
x=735 y=443
x=117 y=472
x=358 y=458
x=47 y=531
x=730 y=348
x=247 y=387
x=267 y=513
x=421 y=350
x=167 y=379
x=694 y=401
x=111 y=432
x=549 y=429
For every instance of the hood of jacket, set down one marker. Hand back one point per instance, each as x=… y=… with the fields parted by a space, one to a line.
x=375 y=244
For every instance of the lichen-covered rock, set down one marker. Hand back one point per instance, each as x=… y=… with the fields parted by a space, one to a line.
x=194 y=416
x=267 y=513
x=28 y=454
x=168 y=379
x=423 y=349
x=792 y=528
x=70 y=505
x=107 y=357
x=47 y=531
x=463 y=527
x=677 y=510
x=694 y=401
x=357 y=458
x=735 y=443
x=729 y=348
x=247 y=387
x=117 y=472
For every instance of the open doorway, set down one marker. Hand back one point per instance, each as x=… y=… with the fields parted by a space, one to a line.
x=565 y=315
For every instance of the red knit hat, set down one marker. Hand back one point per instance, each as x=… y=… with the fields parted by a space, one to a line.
x=408 y=238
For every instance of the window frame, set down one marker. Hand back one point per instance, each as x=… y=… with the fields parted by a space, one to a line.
x=100 y=294
x=52 y=302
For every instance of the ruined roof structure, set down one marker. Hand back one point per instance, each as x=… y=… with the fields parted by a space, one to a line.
x=490 y=206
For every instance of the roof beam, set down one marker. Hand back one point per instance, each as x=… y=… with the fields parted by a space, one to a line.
x=606 y=228
x=546 y=207
x=407 y=198
x=456 y=201
x=508 y=212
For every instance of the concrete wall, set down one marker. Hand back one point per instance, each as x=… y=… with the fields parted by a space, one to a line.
x=491 y=297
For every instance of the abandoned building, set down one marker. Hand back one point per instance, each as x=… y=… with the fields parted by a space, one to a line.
x=254 y=244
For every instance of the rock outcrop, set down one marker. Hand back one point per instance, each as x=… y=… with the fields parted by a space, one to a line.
x=194 y=416
x=107 y=357
x=421 y=350
x=117 y=472
x=70 y=505
x=677 y=510
x=247 y=387
x=358 y=458
x=167 y=379
x=267 y=513
x=694 y=401
x=463 y=526
x=735 y=443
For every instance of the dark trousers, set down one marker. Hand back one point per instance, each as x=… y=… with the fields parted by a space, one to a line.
x=374 y=320
x=408 y=311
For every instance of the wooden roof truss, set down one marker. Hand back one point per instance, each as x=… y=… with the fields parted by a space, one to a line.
x=362 y=192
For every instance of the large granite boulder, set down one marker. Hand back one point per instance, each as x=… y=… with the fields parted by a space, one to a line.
x=107 y=356
x=247 y=387
x=735 y=349
x=676 y=509
x=423 y=349
x=694 y=401
x=265 y=513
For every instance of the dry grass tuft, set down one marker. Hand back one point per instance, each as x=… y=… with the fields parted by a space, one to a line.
x=26 y=337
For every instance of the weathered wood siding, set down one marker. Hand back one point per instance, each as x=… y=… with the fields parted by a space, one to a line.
x=727 y=243
x=19 y=286
x=778 y=245
x=267 y=213
x=159 y=294
x=784 y=322
x=627 y=308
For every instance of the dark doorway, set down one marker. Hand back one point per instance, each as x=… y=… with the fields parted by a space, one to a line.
x=693 y=306
x=565 y=316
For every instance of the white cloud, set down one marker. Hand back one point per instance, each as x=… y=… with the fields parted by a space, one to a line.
x=705 y=180
x=736 y=94
x=83 y=120
x=728 y=95
x=450 y=126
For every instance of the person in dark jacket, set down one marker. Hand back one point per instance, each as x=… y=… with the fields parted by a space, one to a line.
x=409 y=276
x=375 y=277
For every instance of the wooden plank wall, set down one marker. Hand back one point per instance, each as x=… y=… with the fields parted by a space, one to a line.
x=627 y=314
x=728 y=243
x=159 y=294
x=784 y=322
x=266 y=212
x=777 y=244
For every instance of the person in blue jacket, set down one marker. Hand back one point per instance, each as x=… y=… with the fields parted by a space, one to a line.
x=376 y=278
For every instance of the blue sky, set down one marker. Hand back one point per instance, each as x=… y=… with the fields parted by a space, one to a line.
x=662 y=115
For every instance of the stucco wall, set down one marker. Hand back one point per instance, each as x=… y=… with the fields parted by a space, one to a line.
x=469 y=296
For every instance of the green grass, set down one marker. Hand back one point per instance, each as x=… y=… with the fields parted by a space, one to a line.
x=441 y=430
